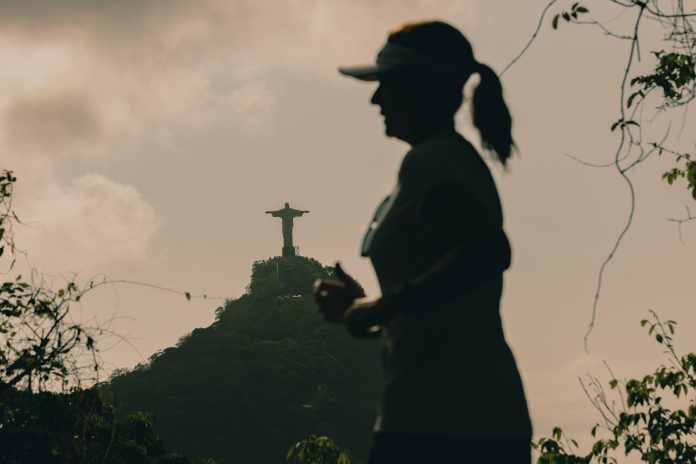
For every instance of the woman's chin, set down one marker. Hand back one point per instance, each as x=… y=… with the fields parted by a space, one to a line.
x=391 y=131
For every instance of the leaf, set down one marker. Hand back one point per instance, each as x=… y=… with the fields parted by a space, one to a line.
x=615 y=125
x=566 y=16
x=556 y=433
x=659 y=338
x=187 y=295
x=632 y=97
x=582 y=9
x=554 y=23
x=643 y=322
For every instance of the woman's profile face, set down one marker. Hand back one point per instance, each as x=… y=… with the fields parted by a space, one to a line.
x=400 y=100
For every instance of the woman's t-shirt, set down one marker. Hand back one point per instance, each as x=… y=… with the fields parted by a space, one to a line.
x=448 y=367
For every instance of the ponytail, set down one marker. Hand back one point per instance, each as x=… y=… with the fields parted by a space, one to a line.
x=491 y=115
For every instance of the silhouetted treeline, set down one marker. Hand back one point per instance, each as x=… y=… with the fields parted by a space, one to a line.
x=267 y=373
x=79 y=427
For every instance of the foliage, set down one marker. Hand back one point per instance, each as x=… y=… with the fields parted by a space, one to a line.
x=317 y=450
x=270 y=368
x=673 y=76
x=645 y=423
x=76 y=427
x=285 y=276
x=575 y=11
x=79 y=427
x=40 y=347
x=43 y=351
x=688 y=171
x=7 y=215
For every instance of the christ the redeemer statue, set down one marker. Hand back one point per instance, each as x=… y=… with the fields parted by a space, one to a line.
x=287 y=214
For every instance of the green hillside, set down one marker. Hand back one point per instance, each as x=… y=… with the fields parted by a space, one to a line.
x=268 y=372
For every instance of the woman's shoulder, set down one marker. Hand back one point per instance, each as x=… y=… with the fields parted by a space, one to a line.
x=447 y=156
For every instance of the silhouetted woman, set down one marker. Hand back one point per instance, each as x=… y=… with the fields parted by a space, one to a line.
x=453 y=392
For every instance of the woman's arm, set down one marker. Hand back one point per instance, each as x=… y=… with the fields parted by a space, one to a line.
x=474 y=250
x=474 y=247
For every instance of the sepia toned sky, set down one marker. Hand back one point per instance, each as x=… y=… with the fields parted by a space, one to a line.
x=149 y=137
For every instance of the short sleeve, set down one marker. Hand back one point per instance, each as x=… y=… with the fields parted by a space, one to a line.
x=453 y=209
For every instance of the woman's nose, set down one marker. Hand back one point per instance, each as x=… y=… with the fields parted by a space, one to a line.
x=375 y=100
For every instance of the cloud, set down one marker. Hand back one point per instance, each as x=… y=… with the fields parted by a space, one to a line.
x=252 y=104
x=92 y=224
x=106 y=24
x=257 y=25
x=132 y=69
x=35 y=123
x=85 y=78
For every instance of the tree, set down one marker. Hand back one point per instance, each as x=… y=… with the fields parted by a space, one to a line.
x=41 y=347
x=655 y=417
x=642 y=424
x=668 y=88
x=46 y=416
x=317 y=450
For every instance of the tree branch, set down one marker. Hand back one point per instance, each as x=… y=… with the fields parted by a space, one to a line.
x=689 y=217
x=622 y=173
x=531 y=40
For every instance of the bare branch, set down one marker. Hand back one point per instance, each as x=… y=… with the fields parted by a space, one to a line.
x=531 y=40
x=622 y=173
x=689 y=217
x=593 y=22
x=594 y=165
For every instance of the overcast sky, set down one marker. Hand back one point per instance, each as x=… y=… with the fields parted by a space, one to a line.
x=149 y=137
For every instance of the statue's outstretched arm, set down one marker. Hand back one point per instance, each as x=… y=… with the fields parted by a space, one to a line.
x=296 y=212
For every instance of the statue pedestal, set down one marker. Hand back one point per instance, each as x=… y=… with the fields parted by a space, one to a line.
x=289 y=251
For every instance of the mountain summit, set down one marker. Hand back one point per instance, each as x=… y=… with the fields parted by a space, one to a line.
x=267 y=373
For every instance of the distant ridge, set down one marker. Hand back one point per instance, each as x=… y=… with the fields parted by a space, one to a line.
x=268 y=372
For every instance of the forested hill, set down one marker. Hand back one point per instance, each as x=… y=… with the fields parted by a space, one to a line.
x=268 y=372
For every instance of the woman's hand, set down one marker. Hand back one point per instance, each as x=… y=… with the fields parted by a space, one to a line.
x=365 y=316
x=336 y=296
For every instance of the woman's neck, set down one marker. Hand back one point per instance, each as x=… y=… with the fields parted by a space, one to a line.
x=428 y=129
